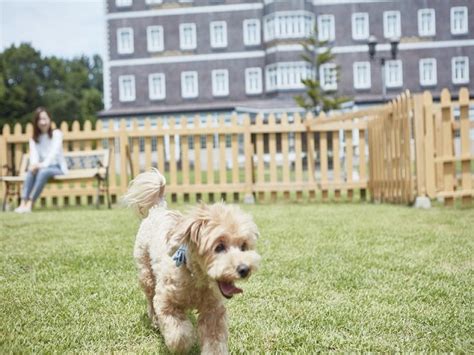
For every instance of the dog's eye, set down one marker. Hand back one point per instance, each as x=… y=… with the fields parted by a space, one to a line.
x=244 y=246
x=219 y=248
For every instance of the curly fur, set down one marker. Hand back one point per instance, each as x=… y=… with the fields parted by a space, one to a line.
x=171 y=290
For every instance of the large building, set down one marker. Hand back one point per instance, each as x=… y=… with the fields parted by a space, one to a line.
x=229 y=55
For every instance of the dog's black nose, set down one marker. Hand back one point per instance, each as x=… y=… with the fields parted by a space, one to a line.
x=243 y=270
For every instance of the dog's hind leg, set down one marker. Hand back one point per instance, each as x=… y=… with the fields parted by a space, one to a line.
x=176 y=328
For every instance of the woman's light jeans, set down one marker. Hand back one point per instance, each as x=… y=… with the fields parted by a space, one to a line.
x=35 y=182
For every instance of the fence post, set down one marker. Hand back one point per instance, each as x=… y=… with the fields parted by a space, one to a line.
x=248 y=152
x=447 y=141
x=466 y=182
x=123 y=156
x=421 y=197
x=4 y=149
x=310 y=146
x=429 y=144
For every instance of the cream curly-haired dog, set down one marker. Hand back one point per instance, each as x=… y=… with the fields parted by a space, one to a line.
x=189 y=262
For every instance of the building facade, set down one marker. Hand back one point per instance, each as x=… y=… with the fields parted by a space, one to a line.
x=225 y=55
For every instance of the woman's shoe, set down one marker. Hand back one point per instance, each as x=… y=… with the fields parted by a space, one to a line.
x=19 y=209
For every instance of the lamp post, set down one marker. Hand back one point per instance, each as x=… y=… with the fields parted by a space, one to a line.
x=372 y=43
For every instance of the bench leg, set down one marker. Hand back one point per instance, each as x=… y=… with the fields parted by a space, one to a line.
x=107 y=193
x=5 y=197
x=97 y=198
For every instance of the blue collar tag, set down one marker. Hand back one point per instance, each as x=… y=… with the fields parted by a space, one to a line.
x=180 y=256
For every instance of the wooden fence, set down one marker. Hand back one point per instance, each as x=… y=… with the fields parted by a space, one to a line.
x=419 y=148
x=268 y=158
x=397 y=151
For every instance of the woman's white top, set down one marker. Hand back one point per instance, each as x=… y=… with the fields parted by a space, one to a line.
x=48 y=151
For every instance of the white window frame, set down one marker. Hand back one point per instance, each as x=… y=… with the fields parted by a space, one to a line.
x=421 y=31
x=122 y=91
x=355 y=35
x=162 y=90
x=149 y=31
x=367 y=84
x=123 y=3
x=288 y=24
x=465 y=28
x=182 y=29
x=322 y=79
x=215 y=91
x=287 y=75
x=152 y=2
x=120 y=47
x=465 y=79
x=332 y=27
x=398 y=29
x=249 y=90
x=245 y=26
x=212 y=30
x=184 y=93
x=434 y=74
x=399 y=82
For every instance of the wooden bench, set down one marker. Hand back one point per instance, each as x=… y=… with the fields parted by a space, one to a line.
x=92 y=165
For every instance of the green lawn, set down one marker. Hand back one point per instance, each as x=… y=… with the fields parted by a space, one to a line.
x=338 y=277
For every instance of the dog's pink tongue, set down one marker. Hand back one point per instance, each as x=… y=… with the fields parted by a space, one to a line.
x=229 y=289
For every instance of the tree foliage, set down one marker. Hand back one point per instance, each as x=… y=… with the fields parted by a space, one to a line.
x=69 y=89
x=316 y=99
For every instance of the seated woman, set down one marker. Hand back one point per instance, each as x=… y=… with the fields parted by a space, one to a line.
x=46 y=159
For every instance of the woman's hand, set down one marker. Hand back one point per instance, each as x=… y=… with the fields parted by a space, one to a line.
x=34 y=168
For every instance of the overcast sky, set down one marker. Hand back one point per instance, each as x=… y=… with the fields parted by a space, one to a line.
x=64 y=28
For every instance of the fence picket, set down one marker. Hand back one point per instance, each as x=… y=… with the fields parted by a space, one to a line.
x=285 y=154
x=466 y=175
x=448 y=152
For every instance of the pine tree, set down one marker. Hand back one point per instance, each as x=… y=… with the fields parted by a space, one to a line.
x=315 y=99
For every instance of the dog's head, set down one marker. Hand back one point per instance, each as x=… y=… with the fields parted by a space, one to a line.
x=223 y=240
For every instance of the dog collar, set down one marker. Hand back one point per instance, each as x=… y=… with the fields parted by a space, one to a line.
x=180 y=255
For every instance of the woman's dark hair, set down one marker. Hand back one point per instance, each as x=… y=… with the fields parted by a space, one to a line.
x=36 y=130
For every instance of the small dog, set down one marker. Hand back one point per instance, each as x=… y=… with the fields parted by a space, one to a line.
x=189 y=262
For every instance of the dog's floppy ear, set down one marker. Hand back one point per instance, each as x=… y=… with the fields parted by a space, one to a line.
x=193 y=231
x=190 y=228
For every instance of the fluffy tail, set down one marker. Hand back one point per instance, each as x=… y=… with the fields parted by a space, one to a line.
x=145 y=191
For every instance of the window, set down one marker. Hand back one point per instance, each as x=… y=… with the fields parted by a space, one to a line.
x=460 y=70
x=127 y=88
x=426 y=22
x=459 y=20
x=326 y=28
x=187 y=35
x=362 y=77
x=155 y=38
x=360 y=26
x=122 y=3
x=125 y=40
x=156 y=86
x=218 y=30
x=391 y=24
x=253 y=81
x=151 y=2
x=393 y=73
x=328 y=76
x=220 y=82
x=189 y=84
x=251 y=32
x=428 y=75
x=288 y=24
x=286 y=75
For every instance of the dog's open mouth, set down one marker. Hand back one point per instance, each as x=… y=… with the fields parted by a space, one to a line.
x=228 y=289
